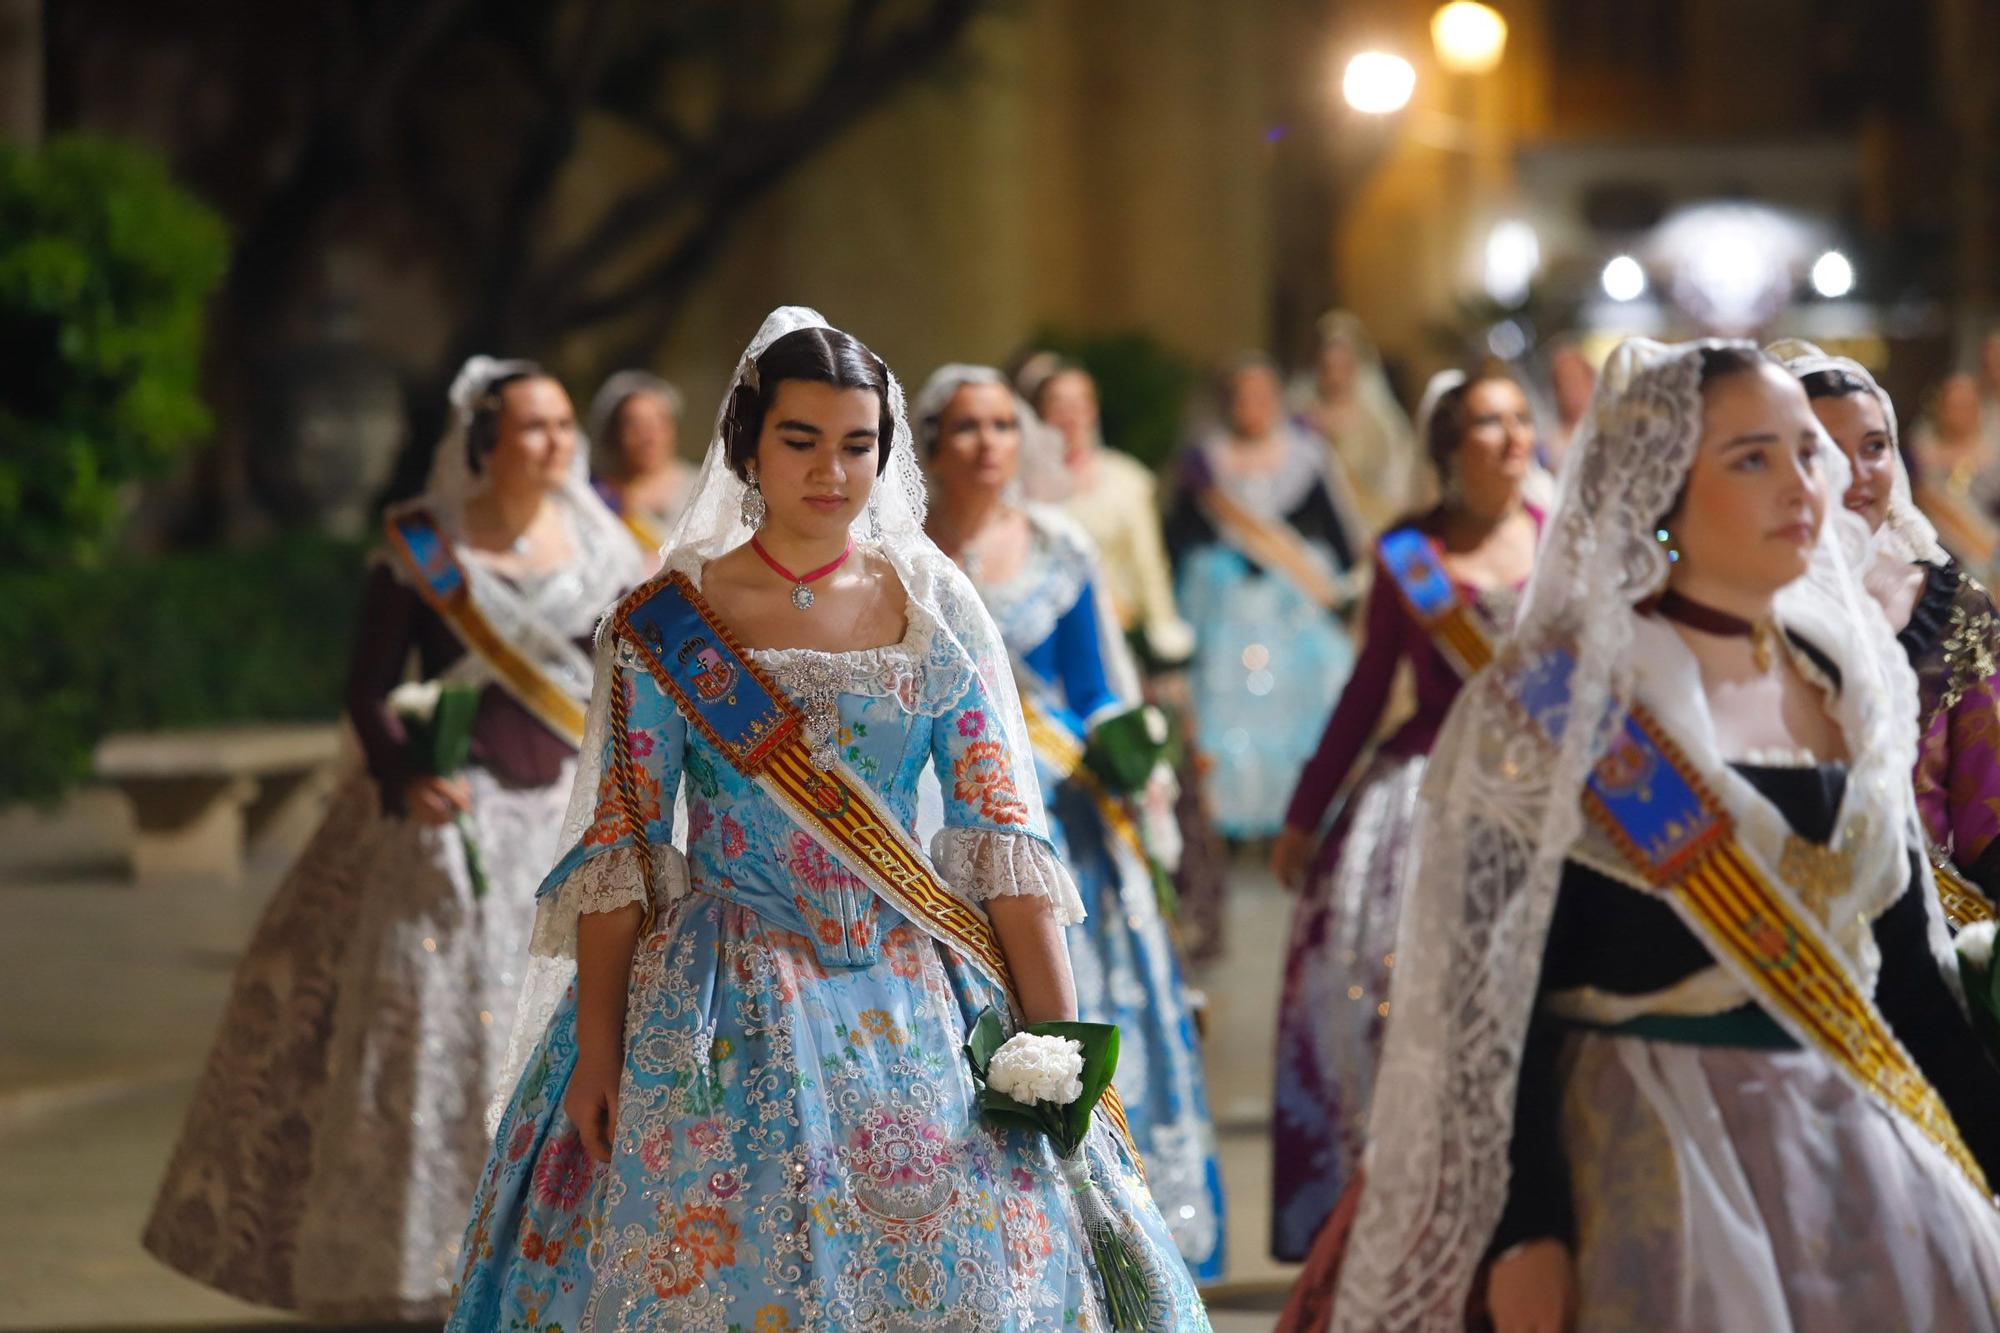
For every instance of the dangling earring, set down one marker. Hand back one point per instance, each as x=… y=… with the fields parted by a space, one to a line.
x=1671 y=551
x=755 y=511
x=870 y=530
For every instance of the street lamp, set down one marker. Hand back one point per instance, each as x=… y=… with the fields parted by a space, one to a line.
x=1377 y=83
x=1623 y=279
x=1832 y=275
x=1469 y=37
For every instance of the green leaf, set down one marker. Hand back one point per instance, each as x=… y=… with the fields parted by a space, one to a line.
x=1100 y=1062
x=451 y=726
x=1001 y=1109
x=988 y=1035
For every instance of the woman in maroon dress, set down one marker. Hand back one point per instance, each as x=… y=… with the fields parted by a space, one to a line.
x=1479 y=541
x=339 y=1127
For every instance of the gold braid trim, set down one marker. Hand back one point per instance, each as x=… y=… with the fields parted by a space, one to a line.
x=628 y=795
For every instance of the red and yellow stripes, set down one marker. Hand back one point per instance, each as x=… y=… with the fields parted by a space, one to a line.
x=1785 y=959
x=1462 y=640
x=848 y=815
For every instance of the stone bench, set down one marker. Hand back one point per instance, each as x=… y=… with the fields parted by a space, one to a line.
x=201 y=797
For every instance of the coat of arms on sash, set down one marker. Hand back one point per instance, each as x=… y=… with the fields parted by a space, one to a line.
x=713 y=674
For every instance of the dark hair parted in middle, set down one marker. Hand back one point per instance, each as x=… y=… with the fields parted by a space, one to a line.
x=1833 y=382
x=814 y=356
x=482 y=426
x=1724 y=359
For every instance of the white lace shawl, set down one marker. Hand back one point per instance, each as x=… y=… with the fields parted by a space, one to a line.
x=1502 y=814
x=538 y=616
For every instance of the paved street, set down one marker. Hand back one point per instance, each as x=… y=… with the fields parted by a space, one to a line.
x=109 y=993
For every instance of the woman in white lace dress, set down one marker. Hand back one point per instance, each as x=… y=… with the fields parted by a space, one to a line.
x=340 y=1124
x=1675 y=1042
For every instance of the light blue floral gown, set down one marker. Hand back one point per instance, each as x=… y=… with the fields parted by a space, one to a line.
x=1269 y=661
x=796 y=1144
x=1127 y=969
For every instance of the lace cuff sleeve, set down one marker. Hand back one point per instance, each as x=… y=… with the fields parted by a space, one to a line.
x=985 y=863
x=604 y=883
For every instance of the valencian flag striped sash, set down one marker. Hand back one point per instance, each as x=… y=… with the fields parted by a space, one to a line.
x=738 y=709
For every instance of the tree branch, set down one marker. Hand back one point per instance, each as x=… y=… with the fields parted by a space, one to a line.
x=742 y=168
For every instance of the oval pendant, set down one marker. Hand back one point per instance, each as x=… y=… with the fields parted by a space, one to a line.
x=802 y=597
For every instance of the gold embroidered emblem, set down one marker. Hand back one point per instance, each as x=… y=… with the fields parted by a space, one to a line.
x=1817 y=873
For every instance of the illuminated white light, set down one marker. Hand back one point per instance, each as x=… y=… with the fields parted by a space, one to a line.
x=1506 y=340
x=1832 y=275
x=1513 y=254
x=1623 y=279
x=1377 y=83
x=1469 y=37
x=1730 y=266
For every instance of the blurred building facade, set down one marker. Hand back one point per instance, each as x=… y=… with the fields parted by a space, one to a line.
x=1843 y=124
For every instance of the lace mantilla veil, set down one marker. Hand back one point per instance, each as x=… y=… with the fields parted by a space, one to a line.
x=1906 y=537
x=602 y=556
x=711 y=525
x=1502 y=813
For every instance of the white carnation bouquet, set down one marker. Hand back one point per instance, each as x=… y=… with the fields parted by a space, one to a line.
x=1048 y=1078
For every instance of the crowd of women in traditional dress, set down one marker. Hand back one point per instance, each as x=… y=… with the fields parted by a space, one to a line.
x=788 y=767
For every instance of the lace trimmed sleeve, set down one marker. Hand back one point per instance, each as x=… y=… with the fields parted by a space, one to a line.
x=984 y=864
x=602 y=872
x=988 y=845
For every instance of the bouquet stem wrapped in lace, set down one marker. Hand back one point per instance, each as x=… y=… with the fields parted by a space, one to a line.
x=437 y=720
x=1048 y=1078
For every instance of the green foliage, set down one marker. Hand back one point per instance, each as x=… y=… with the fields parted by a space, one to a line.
x=105 y=265
x=180 y=641
x=1142 y=388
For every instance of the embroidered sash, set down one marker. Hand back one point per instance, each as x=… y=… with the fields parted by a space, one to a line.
x=1275 y=545
x=1419 y=576
x=744 y=715
x=1655 y=807
x=441 y=581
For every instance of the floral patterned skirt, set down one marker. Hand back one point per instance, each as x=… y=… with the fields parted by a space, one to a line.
x=796 y=1149
x=1127 y=973
x=1331 y=1013
x=339 y=1126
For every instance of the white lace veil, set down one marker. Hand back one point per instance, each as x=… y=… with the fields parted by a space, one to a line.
x=1440 y=384
x=1041 y=454
x=1041 y=475
x=1906 y=537
x=601 y=549
x=1502 y=813
x=611 y=396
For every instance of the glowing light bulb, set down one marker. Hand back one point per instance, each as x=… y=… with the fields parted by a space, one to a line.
x=1623 y=279
x=1377 y=83
x=1469 y=37
x=1832 y=275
